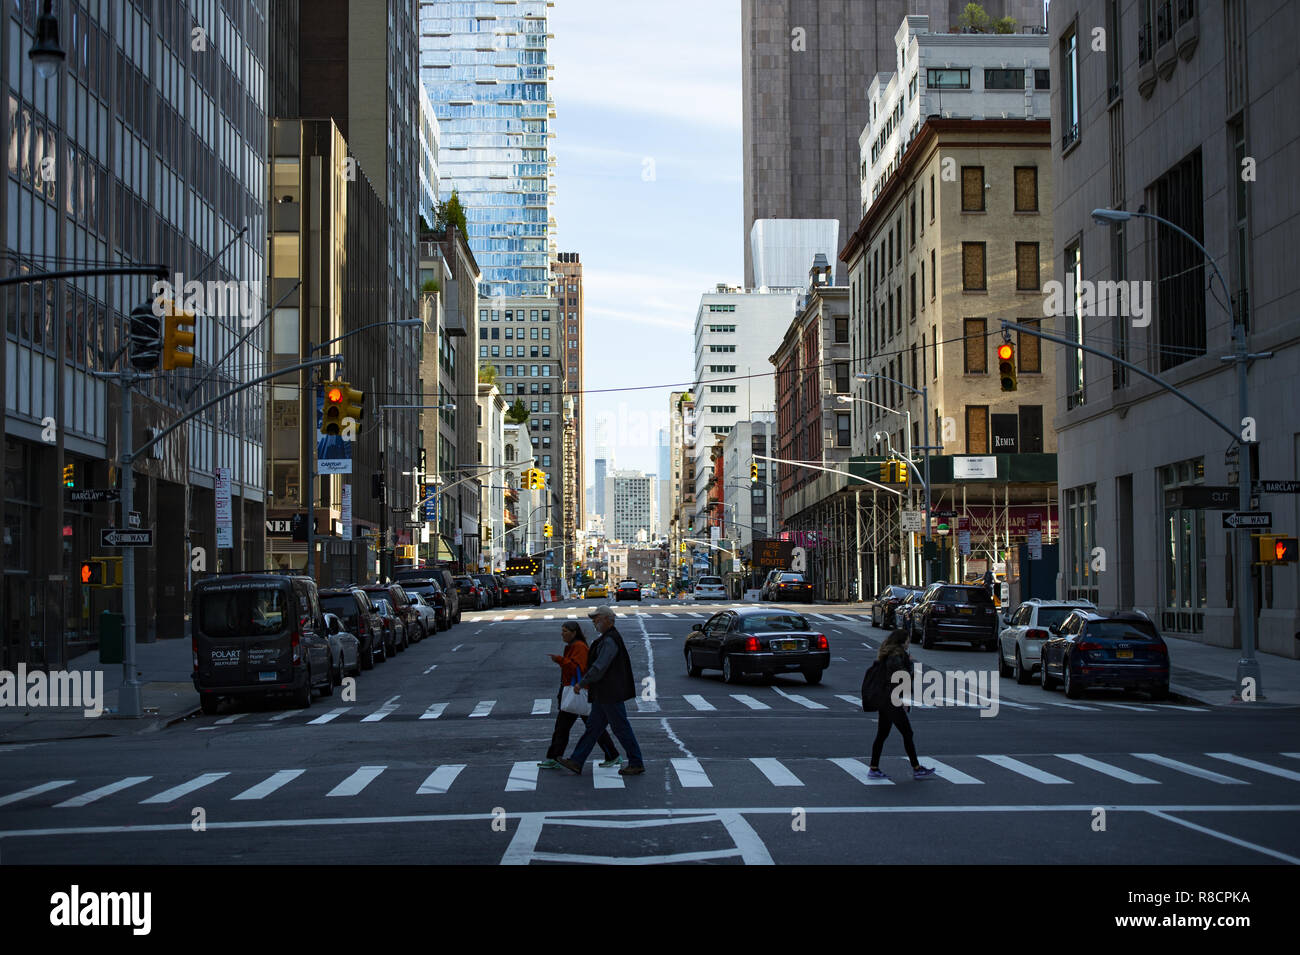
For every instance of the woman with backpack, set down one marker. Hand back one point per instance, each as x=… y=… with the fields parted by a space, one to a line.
x=890 y=659
x=573 y=663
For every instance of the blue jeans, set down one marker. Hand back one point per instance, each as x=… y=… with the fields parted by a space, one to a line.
x=613 y=715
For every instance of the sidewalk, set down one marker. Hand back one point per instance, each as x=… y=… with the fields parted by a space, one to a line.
x=167 y=694
x=1209 y=674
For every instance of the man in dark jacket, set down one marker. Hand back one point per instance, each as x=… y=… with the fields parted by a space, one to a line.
x=609 y=684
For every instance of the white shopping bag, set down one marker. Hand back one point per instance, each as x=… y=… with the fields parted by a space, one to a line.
x=573 y=700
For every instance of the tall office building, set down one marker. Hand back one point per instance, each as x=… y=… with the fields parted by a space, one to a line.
x=484 y=63
x=568 y=277
x=114 y=159
x=805 y=100
x=663 y=487
x=632 y=510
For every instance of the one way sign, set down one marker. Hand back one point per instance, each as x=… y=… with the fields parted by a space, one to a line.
x=1248 y=519
x=117 y=537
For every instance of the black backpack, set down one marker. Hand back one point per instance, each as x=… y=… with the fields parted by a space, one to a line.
x=873 y=686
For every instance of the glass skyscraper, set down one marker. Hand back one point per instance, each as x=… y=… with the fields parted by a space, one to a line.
x=484 y=65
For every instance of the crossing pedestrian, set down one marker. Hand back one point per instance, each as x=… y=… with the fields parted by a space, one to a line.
x=573 y=662
x=609 y=684
x=894 y=657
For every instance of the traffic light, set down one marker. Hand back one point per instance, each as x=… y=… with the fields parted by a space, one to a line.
x=753 y=472
x=886 y=472
x=93 y=574
x=536 y=479
x=1007 y=366
x=352 y=407
x=546 y=529
x=175 y=338
x=900 y=472
x=332 y=418
x=69 y=475
x=1277 y=549
x=146 y=337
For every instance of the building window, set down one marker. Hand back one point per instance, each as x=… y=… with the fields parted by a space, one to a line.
x=1069 y=88
x=1080 y=531
x=932 y=197
x=1031 y=429
x=482 y=351
x=841 y=378
x=1184 y=563
x=947 y=79
x=975 y=347
x=1180 y=290
x=912 y=310
x=1028 y=351
x=1004 y=79
x=1043 y=79
x=1074 y=371
x=533 y=407
x=496 y=351
x=1026 y=189
x=977 y=429
x=546 y=460
x=973 y=275
x=1027 y=277
x=972 y=188
x=842 y=438
x=934 y=272
x=841 y=329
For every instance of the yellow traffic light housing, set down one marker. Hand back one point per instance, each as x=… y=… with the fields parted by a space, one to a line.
x=900 y=472
x=1277 y=549
x=69 y=475
x=1007 y=366
x=352 y=405
x=332 y=409
x=176 y=338
x=547 y=529
x=753 y=472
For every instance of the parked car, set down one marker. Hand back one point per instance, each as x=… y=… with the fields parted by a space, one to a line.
x=757 y=640
x=788 y=585
x=395 y=639
x=412 y=630
x=427 y=610
x=883 y=607
x=521 y=590
x=443 y=577
x=956 y=612
x=353 y=607
x=1024 y=631
x=902 y=615
x=432 y=593
x=710 y=588
x=628 y=590
x=258 y=635
x=491 y=587
x=470 y=592
x=597 y=590
x=1114 y=649
x=345 y=658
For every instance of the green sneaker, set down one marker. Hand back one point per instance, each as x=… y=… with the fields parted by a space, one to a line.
x=548 y=764
x=616 y=761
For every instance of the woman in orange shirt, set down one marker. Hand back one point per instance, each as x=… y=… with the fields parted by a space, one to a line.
x=573 y=663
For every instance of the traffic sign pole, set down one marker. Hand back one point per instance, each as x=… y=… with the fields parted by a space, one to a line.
x=128 y=695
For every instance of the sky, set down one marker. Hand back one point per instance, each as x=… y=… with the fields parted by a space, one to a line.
x=648 y=193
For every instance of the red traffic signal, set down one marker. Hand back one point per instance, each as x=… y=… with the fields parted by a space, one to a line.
x=1007 y=366
x=1285 y=550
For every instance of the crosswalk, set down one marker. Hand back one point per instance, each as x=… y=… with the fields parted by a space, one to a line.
x=752 y=775
x=676 y=612
x=714 y=698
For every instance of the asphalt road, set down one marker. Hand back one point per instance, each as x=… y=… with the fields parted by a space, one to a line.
x=435 y=761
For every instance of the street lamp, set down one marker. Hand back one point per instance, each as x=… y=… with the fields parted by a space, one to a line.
x=1247 y=666
x=46 y=54
x=925 y=437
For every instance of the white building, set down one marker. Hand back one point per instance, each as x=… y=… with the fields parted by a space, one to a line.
x=783 y=249
x=632 y=493
x=953 y=75
x=735 y=332
x=745 y=508
x=491 y=455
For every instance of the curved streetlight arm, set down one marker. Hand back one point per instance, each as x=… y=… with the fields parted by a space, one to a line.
x=814 y=467
x=1116 y=216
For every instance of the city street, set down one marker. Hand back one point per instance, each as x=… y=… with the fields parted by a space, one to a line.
x=435 y=761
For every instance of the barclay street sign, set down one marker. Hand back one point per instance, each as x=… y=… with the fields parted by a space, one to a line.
x=117 y=537
x=93 y=494
x=1248 y=519
x=1268 y=487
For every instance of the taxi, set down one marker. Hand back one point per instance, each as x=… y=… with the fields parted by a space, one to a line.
x=597 y=590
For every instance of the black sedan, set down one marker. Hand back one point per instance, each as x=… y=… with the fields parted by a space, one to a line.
x=886 y=602
x=956 y=612
x=759 y=641
x=1117 y=649
x=628 y=590
x=520 y=590
x=789 y=586
x=902 y=615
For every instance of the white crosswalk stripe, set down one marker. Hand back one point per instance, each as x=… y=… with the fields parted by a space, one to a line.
x=776 y=773
x=542 y=707
x=749 y=701
x=184 y=789
x=1258 y=766
x=1024 y=769
x=1189 y=769
x=523 y=777
x=433 y=712
x=35 y=790
x=818 y=616
x=1124 y=706
x=331 y=715
x=944 y=771
x=358 y=781
x=270 y=784
x=858 y=770
x=285 y=715
x=230 y=719
x=606 y=777
x=383 y=711
x=1104 y=768
x=691 y=774
x=801 y=700
x=699 y=702
x=1070 y=706
x=846 y=617
x=86 y=799
x=855 y=701
x=484 y=708
x=440 y=780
